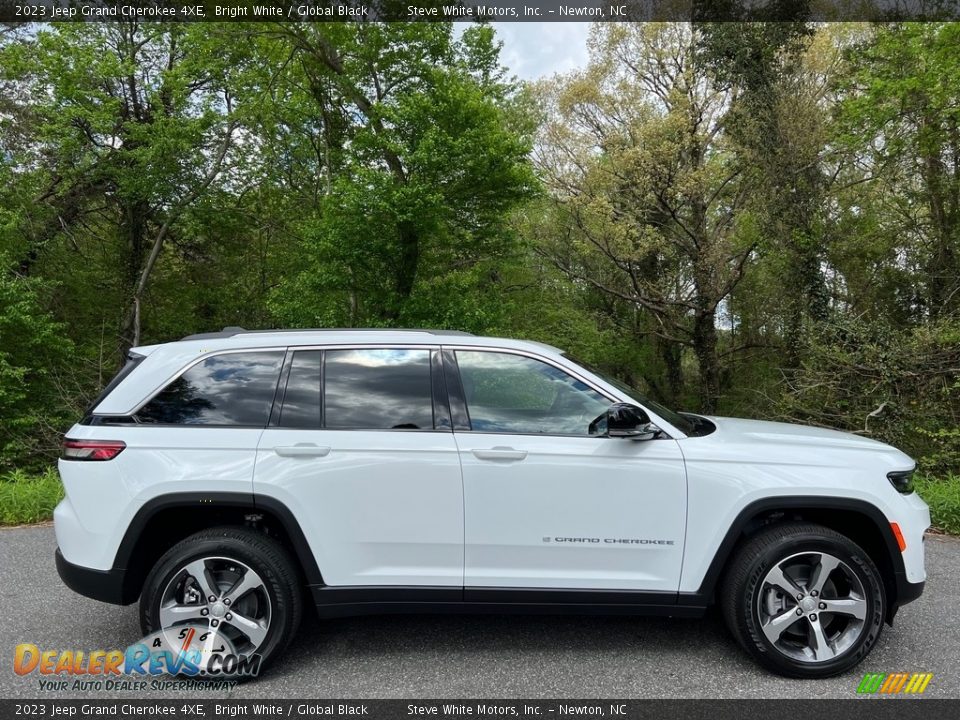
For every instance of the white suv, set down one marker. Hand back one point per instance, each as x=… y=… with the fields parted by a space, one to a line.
x=227 y=478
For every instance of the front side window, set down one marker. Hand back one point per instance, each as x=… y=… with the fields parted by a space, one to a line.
x=226 y=389
x=377 y=390
x=517 y=394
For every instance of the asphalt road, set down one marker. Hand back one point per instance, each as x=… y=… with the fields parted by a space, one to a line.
x=481 y=656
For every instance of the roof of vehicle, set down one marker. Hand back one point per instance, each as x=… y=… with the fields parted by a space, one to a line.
x=236 y=338
x=233 y=331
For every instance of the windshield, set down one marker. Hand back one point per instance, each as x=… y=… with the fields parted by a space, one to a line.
x=674 y=418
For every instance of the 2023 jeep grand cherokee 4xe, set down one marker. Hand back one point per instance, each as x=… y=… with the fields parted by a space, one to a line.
x=228 y=478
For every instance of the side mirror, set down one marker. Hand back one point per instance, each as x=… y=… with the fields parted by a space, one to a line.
x=629 y=421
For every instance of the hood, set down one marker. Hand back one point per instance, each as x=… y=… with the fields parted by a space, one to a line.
x=786 y=434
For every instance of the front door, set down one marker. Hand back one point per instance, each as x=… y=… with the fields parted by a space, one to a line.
x=368 y=465
x=549 y=506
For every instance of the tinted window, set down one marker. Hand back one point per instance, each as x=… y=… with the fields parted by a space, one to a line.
x=517 y=394
x=378 y=389
x=301 y=401
x=228 y=389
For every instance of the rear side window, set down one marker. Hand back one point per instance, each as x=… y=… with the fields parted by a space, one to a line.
x=378 y=390
x=226 y=389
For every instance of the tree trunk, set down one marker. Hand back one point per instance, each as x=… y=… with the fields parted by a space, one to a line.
x=134 y=232
x=407 y=265
x=671 y=354
x=942 y=265
x=705 y=348
x=807 y=295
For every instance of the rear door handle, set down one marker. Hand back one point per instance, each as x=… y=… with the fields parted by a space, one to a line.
x=302 y=450
x=499 y=453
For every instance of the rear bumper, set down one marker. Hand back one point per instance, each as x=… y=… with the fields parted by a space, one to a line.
x=108 y=586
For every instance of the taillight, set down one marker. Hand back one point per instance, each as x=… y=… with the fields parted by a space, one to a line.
x=91 y=449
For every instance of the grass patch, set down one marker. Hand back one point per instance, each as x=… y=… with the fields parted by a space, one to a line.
x=28 y=498
x=943 y=497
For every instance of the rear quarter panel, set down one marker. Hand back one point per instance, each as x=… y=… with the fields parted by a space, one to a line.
x=103 y=497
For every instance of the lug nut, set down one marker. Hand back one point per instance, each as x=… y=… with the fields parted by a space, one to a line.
x=226 y=601
x=212 y=598
x=799 y=611
x=813 y=618
x=799 y=596
x=204 y=611
x=815 y=593
x=823 y=606
x=228 y=617
x=214 y=622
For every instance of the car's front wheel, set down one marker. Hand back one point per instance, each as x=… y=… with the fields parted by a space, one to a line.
x=804 y=600
x=226 y=589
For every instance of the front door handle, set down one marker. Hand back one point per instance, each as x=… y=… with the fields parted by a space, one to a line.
x=499 y=453
x=302 y=450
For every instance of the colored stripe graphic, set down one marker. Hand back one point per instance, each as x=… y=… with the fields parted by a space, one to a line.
x=894 y=683
x=898 y=684
x=871 y=682
x=889 y=682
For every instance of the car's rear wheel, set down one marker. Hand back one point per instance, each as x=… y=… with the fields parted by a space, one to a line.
x=804 y=600
x=234 y=587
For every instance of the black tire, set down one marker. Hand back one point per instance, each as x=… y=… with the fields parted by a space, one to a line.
x=744 y=581
x=260 y=553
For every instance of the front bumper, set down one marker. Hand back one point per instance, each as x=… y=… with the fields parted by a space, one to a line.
x=907 y=591
x=110 y=586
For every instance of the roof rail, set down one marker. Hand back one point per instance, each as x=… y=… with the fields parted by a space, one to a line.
x=229 y=332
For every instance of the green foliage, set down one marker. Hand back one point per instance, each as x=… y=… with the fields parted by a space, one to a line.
x=899 y=385
x=748 y=218
x=943 y=497
x=28 y=498
x=33 y=355
x=755 y=55
x=129 y=126
x=421 y=199
x=900 y=109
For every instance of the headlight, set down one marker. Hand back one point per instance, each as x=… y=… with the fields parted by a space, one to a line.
x=902 y=480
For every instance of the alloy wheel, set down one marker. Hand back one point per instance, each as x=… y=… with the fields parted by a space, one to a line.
x=222 y=596
x=812 y=607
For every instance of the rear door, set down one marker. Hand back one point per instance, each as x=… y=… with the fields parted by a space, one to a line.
x=360 y=449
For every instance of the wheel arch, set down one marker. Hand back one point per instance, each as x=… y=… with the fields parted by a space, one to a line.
x=859 y=520
x=166 y=519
